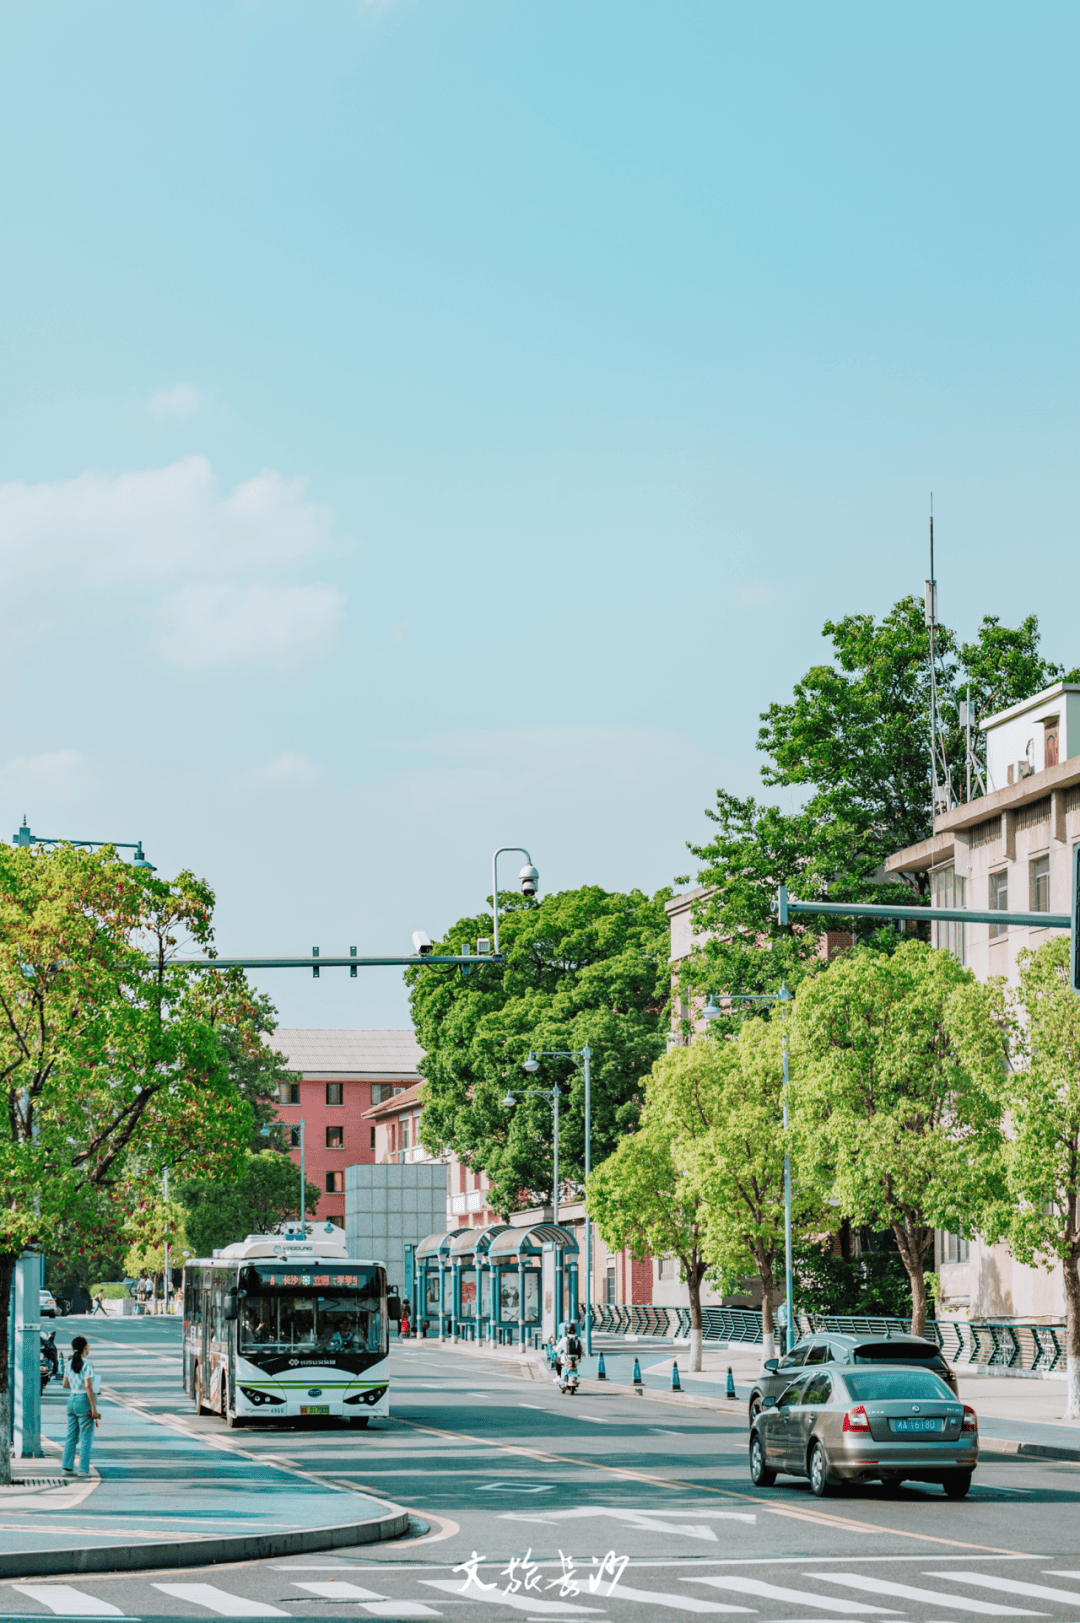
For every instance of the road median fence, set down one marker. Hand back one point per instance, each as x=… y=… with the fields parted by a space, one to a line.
x=990 y=1344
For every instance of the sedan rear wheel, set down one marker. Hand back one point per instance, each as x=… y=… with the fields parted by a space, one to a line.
x=957 y=1483
x=820 y=1486
x=760 y=1474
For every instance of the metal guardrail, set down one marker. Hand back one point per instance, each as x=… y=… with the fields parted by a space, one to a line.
x=992 y=1344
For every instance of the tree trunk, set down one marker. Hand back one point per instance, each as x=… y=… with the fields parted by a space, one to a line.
x=912 y=1242
x=7 y=1268
x=693 y=1285
x=768 y=1339
x=1072 y=1339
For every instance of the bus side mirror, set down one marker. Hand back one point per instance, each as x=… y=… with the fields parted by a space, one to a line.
x=231 y=1310
x=393 y=1308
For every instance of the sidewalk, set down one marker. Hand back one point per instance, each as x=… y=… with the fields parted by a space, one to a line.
x=159 y=1496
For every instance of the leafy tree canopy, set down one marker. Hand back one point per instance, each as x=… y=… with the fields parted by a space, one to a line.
x=582 y=966
x=266 y=1193
x=854 y=740
x=894 y=1117
x=110 y=1053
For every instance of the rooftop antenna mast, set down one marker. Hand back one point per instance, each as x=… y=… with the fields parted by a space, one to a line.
x=941 y=781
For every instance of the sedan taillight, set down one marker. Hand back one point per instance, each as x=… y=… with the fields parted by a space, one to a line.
x=971 y=1419
x=857 y=1419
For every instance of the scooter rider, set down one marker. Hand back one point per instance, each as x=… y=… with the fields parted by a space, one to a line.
x=566 y=1349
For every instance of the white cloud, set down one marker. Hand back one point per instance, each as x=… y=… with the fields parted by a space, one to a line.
x=290 y=769
x=55 y=773
x=219 y=624
x=152 y=525
x=182 y=401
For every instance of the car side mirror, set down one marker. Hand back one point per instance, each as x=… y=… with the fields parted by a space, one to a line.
x=772 y=1365
x=769 y=1403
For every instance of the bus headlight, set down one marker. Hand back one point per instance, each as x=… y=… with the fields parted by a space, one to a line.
x=370 y=1397
x=253 y=1395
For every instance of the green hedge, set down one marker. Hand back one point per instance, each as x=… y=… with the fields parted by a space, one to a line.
x=112 y=1292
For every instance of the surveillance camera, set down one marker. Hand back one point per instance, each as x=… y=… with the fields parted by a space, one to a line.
x=421 y=943
x=530 y=881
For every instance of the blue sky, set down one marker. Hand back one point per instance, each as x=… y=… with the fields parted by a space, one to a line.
x=430 y=426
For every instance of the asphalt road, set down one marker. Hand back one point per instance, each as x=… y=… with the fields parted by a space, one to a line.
x=505 y=1469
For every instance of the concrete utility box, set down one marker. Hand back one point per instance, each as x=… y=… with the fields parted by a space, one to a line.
x=389 y=1206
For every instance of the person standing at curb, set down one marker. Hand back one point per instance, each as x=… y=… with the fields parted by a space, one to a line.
x=82 y=1382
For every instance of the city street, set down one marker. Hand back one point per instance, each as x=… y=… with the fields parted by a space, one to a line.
x=501 y=1467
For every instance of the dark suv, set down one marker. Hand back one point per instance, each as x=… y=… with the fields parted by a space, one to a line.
x=826 y=1347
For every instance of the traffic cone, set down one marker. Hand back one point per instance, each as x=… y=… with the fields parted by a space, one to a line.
x=729 y=1390
x=637 y=1373
x=676 y=1384
x=601 y=1369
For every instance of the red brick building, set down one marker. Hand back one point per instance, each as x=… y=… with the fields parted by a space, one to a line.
x=343 y=1073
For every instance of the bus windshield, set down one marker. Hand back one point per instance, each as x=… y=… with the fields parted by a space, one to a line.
x=282 y=1322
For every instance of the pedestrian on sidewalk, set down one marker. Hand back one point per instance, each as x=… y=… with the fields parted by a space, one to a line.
x=81 y=1380
x=404 y=1328
x=99 y=1304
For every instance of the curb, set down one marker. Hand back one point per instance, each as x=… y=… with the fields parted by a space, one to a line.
x=202 y=1552
x=1031 y=1451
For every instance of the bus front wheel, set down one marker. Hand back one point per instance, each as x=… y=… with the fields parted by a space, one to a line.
x=359 y=1421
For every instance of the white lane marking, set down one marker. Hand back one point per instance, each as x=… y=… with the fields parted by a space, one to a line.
x=400 y=1608
x=63 y=1598
x=332 y=1589
x=1008 y=1586
x=657 y=1521
x=539 y=1407
x=220 y=1601
x=601 y=1419
x=521 y=1487
x=885 y=1586
x=517 y=1603
x=758 y=1586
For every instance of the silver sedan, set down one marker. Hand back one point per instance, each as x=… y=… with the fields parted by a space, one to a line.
x=887 y=1424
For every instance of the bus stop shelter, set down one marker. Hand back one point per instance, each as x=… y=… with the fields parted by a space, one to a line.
x=504 y=1285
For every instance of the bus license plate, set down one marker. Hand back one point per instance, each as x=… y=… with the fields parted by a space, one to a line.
x=314 y=1408
x=915 y=1425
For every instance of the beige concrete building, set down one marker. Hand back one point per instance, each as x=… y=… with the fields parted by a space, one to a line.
x=1010 y=849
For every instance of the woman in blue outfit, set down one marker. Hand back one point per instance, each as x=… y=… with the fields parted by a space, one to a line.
x=82 y=1382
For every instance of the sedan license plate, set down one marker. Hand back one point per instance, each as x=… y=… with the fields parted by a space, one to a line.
x=915 y=1425
x=314 y=1408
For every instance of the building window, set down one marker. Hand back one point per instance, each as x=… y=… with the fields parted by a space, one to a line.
x=335 y=1093
x=381 y=1091
x=999 y=900
x=667 y=1268
x=335 y=1183
x=404 y=1132
x=294 y=1137
x=1040 y=885
x=373 y=1136
x=289 y=1093
x=949 y=892
x=609 y=1284
x=1050 y=741
x=335 y=1139
x=952 y=1247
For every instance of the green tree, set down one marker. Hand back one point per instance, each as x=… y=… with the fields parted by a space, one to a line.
x=854 y=740
x=1040 y=1216
x=266 y=1193
x=639 y=1198
x=723 y=1099
x=109 y=1051
x=581 y=966
x=893 y=1117
x=257 y=1072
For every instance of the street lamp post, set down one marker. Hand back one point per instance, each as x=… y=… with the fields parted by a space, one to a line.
x=580 y=1056
x=713 y=1011
x=25 y=838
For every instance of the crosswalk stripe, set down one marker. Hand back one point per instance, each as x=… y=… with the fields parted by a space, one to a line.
x=517 y=1603
x=884 y=1586
x=63 y=1598
x=758 y=1586
x=220 y=1601
x=1009 y=1586
x=681 y=1603
x=338 y=1589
